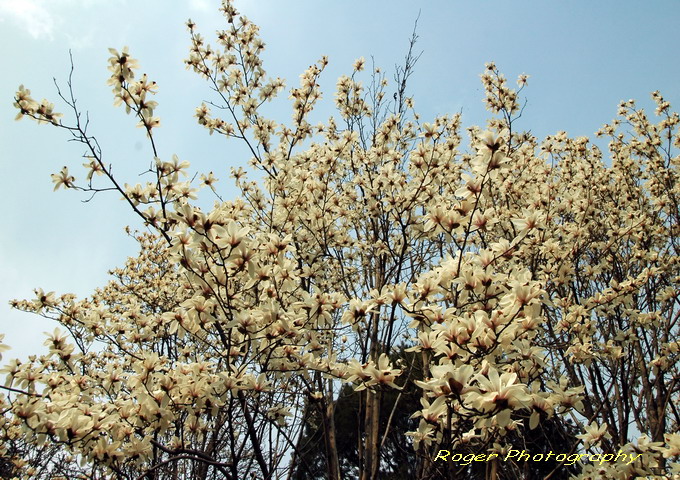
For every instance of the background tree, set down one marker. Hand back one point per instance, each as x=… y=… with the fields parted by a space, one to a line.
x=398 y=460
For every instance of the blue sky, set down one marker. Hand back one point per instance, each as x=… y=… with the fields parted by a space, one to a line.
x=583 y=58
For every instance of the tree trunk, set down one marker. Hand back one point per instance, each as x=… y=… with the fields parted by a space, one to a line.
x=372 y=442
x=333 y=463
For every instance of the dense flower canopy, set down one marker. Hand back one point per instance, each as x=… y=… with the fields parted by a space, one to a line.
x=536 y=282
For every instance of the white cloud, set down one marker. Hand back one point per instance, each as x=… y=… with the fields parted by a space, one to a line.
x=31 y=15
x=42 y=19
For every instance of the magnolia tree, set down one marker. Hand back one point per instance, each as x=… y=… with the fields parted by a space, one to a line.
x=526 y=291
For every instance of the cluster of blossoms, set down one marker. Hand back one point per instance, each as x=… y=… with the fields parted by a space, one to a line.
x=132 y=92
x=42 y=111
x=535 y=285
